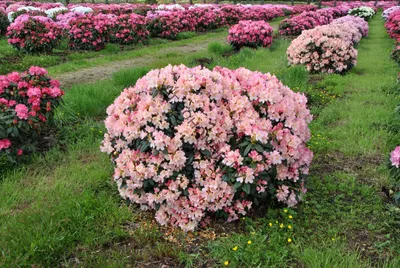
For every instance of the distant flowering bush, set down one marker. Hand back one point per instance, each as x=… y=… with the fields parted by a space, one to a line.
x=358 y=22
x=251 y=34
x=363 y=12
x=89 y=32
x=207 y=19
x=191 y=142
x=34 y=34
x=3 y=23
x=27 y=103
x=323 y=49
x=25 y=11
x=53 y=12
x=167 y=24
x=129 y=29
x=83 y=10
x=305 y=21
x=386 y=13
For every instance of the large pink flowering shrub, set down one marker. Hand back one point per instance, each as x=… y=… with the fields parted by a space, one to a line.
x=27 y=103
x=191 y=142
x=358 y=22
x=395 y=157
x=393 y=25
x=34 y=34
x=305 y=21
x=251 y=34
x=129 y=29
x=89 y=32
x=323 y=49
x=207 y=19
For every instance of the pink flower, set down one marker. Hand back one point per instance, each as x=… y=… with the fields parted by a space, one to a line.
x=395 y=157
x=4 y=144
x=22 y=111
x=34 y=70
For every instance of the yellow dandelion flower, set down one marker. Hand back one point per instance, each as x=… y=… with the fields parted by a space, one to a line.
x=289 y=240
x=290 y=217
x=289 y=227
x=226 y=263
x=285 y=210
x=235 y=248
x=282 y=225
x=249 y=242
x=270 y=224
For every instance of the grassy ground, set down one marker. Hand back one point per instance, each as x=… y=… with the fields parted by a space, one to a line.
x=63 y=208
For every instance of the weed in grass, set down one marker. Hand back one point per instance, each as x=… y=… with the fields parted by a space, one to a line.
x=185 y=35
x=219 y=49
x=128 y=77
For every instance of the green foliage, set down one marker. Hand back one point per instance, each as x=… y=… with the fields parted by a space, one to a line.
x=128 y=77
x=185 y=35
x=219 y=49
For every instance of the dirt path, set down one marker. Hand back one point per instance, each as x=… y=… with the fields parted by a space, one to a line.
x=101 y=72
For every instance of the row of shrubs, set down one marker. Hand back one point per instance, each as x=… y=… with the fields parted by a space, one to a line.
x=329 y=48
x=392 y=18
x=295 y=25
x=33 y=33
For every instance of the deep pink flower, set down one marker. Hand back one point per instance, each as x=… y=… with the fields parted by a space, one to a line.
x=4 y=144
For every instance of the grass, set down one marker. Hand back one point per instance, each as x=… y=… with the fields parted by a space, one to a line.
x=64 y=210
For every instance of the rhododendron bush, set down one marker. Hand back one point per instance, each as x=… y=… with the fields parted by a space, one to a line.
x=325 y=49
x=88 y=32
x=358 y=22
x=386 y=13
x=27 y=103
x=363 y=12
x=393 y=25
x=251 y=34
x=190 y=143
x=34 y=34
x=129 y=29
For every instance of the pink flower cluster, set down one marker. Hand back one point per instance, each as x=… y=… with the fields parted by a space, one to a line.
x=27 y=102
x=168 y=24
x=89 y=31
x=395 y=157
x=358 y=22
x=191 y=142
x=129 y=29
x=393 y=25
x=386 y=13
x=251 y=34
x=326 y=49
x=34 y=34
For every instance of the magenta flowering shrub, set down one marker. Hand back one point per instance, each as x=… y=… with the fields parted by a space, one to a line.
x=167 y=24
x=129 y=29
x=89 y=32
x=386 y=13
x=358 y=22
x=250 y=34
x=27 y=103
x=393 y=25
x=305 y=21
x=207 y=19
x=190 y=143
x=324 y=49
x=34 y=34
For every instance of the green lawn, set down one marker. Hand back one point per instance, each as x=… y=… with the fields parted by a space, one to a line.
x=63 y=209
